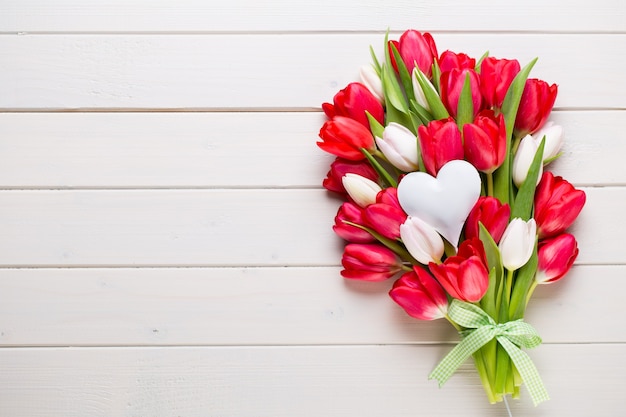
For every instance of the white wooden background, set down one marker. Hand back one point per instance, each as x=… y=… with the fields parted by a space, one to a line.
x=166 y=246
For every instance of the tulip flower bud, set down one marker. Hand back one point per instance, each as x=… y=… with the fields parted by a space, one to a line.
x=556 y=257
x=465 y=275
x=417 y=49
x=399 y=145
x=535 y=106
x=492 y=214
x=351 y=213
x=517 y=243
x=421 y=240
x=353 y=102
x=418 y=92
x=557 y=205
x=371 y=80
x=496 y=76
x=420 y=295
x=452 y=83
x=344 y=137
x=340 y=167
x=450 y=60
x=440 y=142
x=369 y=262
x=362 y=190
x=524 y=159
x=484 y=141
x=554 y=139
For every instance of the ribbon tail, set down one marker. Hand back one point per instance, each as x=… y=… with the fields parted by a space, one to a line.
x=466 y=347
x=527 y=371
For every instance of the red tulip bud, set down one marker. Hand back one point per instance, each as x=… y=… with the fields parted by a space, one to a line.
x=556 y=257
x=420 y=295
x=557 y=204
x=369 y=262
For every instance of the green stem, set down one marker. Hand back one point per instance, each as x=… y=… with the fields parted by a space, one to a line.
x=490 y=184
x=533 y=285
x=379 y=168
x=509 y=285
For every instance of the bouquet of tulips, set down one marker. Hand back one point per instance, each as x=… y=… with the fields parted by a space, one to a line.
x=440 y=160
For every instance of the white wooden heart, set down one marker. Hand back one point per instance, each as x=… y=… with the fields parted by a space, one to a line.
x=443 y=202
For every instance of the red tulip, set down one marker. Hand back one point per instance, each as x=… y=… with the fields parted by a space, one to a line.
x=465 y=275
x=484 y=141
x=451 y=86
x=496 y=76
x=419 y=50
x=556 y=257
x=350 y=212
x=557 y=204
x=535 y=106
x=369 y=262
x=353 y=101
x=440 y=142
x=341 y=167
x=450 y=60
x=385 y=216
x=420 y=295
x=345 y=138
x=492 y=214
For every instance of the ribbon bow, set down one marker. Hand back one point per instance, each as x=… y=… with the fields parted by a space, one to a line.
x=511 y=335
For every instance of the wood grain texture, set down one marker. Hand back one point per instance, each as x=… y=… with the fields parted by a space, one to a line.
x=292 y=381
x=322 y=15
x=165 y=244
x=232 y=150
x=218 y=228
x=296 y=72
x=264 y=306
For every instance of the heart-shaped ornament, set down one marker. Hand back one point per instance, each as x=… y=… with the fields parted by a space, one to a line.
x=443 y=202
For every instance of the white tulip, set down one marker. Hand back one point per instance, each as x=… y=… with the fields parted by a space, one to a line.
x=421 y=240
x=362 y=190
x=371 y=80
x=517 y=243
x=524 y=159
x=399 y=145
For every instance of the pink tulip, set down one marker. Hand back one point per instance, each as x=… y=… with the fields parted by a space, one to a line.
x=465 y=275
x=496 y=76
x=340 y=167
x=350 y=212
x=492 y=214
x=353 y=101
x=484 y=141
x=420 y=295
x=451 y=86
x=556 y=257
x=369 y=262
x=451 y=60
x=535 y=106
x=385 y=216
x=345 y=138
x=440 y=142
x=417 y=49
x=557 y=204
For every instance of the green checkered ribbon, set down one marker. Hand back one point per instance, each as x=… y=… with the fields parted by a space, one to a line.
x=482 y=328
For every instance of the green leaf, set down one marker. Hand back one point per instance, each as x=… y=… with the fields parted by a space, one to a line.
x=523 y=280
x=387 y=178
x=523 y=205
x=513 y=97
x=393 y=92
x=502 y=176
x=480 y=61
x=424 y=114
x=436 y=76
x=376 y=128
x=465 y=106
x=496 y=271
x=405 y=77
x=375 y=64
x=437 y=109
x=394 y=245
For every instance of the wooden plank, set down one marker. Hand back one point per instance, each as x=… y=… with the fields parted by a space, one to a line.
x=265 y=306
x=323 y=15
x=293 y=381
x=161 y=150
x=218 y=228
x=191 y=71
